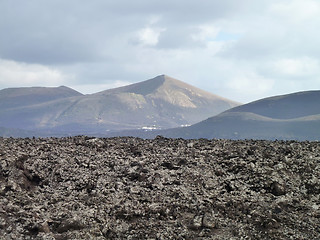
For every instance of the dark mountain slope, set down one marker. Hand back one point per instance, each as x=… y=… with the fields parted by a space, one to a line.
x=287 y=106
x=292 y=116
x=247 y=126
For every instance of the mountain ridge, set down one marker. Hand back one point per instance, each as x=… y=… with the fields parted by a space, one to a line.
x=158 y=103
x=160 y=84
x=294 y=116
x=286 y=106
x=19 y=97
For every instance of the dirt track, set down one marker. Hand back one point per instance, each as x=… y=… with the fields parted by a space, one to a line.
x=129 y=188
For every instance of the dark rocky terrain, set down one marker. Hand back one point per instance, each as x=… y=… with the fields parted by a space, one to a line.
x=129 y=188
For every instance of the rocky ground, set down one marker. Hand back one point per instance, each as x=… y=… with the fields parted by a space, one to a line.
x=130 y=188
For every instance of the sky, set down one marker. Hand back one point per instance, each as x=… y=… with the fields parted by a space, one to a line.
x=243 y=50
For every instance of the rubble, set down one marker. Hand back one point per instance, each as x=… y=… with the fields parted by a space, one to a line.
x=130 y=188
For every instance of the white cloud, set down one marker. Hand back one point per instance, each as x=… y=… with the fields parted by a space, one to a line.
x=250 y=83
x=297 y=67
x=297 y=10
x=242 y=50
x=206 y=33
x=149 y=36
x=21 y=74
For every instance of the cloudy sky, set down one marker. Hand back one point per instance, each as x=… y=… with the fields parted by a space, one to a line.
x=240 y=49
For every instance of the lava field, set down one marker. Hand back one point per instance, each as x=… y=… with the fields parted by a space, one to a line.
x=131 y=188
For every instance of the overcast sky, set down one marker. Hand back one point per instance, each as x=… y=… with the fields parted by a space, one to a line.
x=240 y=49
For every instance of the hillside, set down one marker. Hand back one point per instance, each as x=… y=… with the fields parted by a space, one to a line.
x=289 y=106
x=158 y=103
x=26 y=96
x=291 y=116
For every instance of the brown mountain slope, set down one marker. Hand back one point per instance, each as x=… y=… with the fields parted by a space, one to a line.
x=161 y=102
x=26 y=96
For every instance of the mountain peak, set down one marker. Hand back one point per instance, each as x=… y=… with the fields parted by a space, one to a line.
x=164 y=77
x=161 y=76
x=142 y=88
x=160 y=102
x=164 y=86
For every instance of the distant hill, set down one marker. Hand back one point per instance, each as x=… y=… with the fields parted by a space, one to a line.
x=26 y=96
x=159 y=103
x=292 y=116
x=289 y=106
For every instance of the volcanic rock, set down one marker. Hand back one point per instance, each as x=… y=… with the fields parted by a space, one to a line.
x=130 y=188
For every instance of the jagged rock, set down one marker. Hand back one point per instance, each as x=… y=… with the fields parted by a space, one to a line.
x=278 y=189
x=209 y=221
x=130 y=188
x=197 y=222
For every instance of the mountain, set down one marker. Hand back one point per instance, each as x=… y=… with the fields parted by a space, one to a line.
x=158 y=103
x=19 y=106
x=289 y=106
x=293 y=116
x=25 y=96
x=164 y=102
